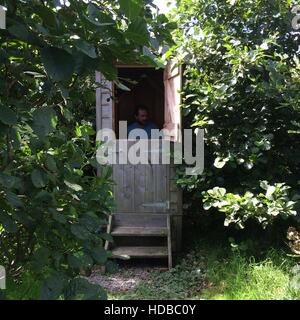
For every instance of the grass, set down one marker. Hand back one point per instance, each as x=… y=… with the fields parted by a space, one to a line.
x=242 y=278
x=211 y=269
x=216 y=272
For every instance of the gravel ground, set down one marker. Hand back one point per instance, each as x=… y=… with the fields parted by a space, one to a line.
x=126 y=278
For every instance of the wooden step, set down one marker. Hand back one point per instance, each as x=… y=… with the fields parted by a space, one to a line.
x=140 y=220
x=141 y=252
x=139 y=231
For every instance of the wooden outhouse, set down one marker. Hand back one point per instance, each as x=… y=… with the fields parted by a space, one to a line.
x=147 y=219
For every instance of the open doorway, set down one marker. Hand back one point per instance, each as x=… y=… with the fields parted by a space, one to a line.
x=146 y=88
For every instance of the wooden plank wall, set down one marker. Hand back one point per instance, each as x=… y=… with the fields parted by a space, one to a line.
x=147 y=183
x=104 y=103
x=139 y=184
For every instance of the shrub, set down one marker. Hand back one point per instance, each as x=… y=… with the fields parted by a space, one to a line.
x=53 y=203
x=241 y=79
x=263 y=207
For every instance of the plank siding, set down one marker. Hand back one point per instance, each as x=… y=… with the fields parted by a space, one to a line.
x=104 y=103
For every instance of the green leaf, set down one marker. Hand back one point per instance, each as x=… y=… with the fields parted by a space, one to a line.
x=58 y=216
x=206 y=206
x=137 y=31
x=96 y=12
x=47 y=15
x=100 y=255
x=90 y=222
x=79 y=260
x=44 y=196
x=107 y=237
x=14 y=200
x=39 y=178
x=220 y=191
x=15 y=138
x=73 y=186
x=9 y=182
x=51 y=164
x=19 y=30
x=220 y=163
x=52 y=288
x=59 y=64
x=44 y=121
x=8 y=223
x=270 y=191
x=86 y=48
x=149 y=54
x=97 y=17
x=122 y=86
x=98 y=24
x=107 y=67
x=264 y=184
x=80 y=232
x=7 y=116
x=40 y=257
x=81 y=289
x=3 y=129
x=131 y=8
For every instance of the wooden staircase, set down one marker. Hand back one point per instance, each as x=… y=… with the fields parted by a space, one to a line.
x=140 y=235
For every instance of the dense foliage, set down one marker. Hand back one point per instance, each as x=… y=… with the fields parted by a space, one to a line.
x=242 y=86
x=263 y=207
x=53 y=206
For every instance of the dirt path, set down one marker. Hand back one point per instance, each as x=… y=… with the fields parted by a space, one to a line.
x=128 y=276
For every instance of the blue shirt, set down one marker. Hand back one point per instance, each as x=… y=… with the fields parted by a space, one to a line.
x=147 y=128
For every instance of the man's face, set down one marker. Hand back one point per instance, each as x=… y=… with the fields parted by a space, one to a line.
x=142 y=117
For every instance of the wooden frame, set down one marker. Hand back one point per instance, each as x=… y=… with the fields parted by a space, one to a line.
x=106 y=113
x=142 y=66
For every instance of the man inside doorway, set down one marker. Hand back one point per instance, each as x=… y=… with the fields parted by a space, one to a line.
x=142 y=121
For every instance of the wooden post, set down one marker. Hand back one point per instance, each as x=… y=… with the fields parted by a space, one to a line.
x=170 y=264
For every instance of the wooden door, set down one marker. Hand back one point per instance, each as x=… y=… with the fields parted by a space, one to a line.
x=147 y=190
x=173 y=86
x=141 y=188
